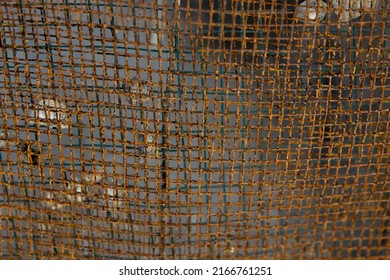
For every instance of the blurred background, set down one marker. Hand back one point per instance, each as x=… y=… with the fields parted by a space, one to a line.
x=195 y=129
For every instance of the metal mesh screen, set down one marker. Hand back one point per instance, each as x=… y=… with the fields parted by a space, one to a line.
x=195 y=129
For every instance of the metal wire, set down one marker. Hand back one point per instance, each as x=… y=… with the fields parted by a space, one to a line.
x=194 y=129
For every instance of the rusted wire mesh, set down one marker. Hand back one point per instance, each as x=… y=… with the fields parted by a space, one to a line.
x=195 y=129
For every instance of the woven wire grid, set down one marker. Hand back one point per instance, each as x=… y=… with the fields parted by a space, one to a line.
x=194 y=130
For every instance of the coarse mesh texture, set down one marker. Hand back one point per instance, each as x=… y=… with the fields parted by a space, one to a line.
x=195 y=129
